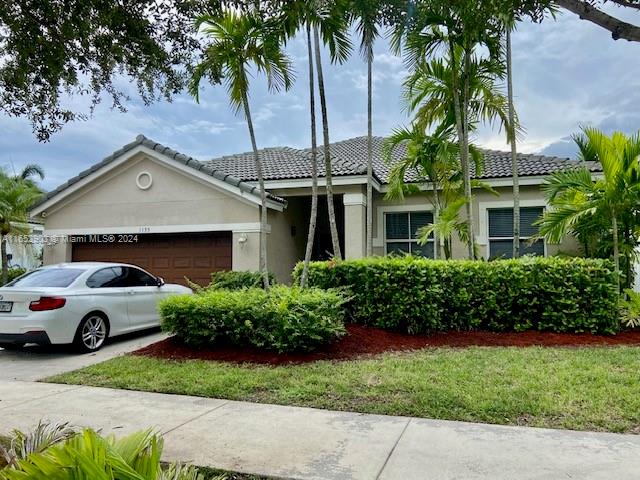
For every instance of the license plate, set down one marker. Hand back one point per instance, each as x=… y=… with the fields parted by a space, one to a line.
x=6 y=307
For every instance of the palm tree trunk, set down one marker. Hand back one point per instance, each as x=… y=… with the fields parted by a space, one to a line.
x=263 y=194
x=327 y=154
x=314 y=168
x=436 y=213
x=467 y=173
x=463 y=141
x=616 y=253
x=5 y=261
x=514 y=154
x=369 y=158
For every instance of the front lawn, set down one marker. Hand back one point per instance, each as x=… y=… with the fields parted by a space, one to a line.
x=575 y=388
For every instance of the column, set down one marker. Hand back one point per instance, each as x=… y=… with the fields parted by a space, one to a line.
x=355 y=223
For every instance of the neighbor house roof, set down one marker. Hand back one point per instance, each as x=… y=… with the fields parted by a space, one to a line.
x=349 y=157
x=141 y=140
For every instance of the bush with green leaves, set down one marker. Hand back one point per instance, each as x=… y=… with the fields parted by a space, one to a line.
x=284 y=318
x=57 y=451
x=417 y=295
x=234 y=280
x=14 y=273
x=630 y=308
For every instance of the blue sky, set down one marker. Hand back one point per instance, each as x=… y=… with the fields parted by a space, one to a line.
x=567 y=73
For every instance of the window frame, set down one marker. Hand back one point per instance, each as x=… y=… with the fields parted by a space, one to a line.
x=408 y=211
x=496 y=206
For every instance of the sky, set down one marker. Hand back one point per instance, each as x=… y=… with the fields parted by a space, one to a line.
x=567 y=73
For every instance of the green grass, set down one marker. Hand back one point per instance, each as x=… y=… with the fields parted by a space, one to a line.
x=582 y=388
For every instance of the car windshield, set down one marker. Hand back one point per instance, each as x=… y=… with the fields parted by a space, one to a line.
x=47 y=277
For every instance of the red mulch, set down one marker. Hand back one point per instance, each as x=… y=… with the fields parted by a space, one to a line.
x=365 y=341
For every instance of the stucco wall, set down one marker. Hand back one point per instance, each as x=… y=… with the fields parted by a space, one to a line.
x=287 y=239
x=114 y=200
x=529 y=196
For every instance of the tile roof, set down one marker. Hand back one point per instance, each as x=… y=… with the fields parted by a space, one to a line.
x=349 y=157
x=184 y=159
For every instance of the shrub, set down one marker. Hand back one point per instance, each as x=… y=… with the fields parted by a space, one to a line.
x=283 y=319
x=630 y=308
x=14 y=273
x=234 y=280
x=417 y=295
x=65 y=453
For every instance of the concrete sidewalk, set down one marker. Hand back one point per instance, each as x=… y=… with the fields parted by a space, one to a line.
x=305 y=443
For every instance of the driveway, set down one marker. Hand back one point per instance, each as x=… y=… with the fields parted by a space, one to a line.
x=34 y=362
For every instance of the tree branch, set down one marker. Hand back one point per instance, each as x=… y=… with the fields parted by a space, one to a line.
x=618 y=28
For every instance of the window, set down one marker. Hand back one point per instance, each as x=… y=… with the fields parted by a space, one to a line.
x=106 y=278
x=138 y=278
x=401 y=229
x=501 y=232
x=47 y=277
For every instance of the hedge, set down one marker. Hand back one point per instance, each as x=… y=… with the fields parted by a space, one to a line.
x=417 y=295
x=283 y=319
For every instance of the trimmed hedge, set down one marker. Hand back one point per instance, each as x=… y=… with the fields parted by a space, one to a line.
x=283 y=319
x=417 y=295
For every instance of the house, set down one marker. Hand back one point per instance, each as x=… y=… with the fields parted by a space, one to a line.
x=177 y=216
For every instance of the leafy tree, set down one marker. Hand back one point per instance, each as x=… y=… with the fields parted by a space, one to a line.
x=577 y=199
x=53 y=49
x=238 y=42
x=17 y=195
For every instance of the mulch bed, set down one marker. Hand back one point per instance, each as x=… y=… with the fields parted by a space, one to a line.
x=366 y=341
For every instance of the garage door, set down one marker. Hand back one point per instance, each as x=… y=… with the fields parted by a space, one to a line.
x=171 y=256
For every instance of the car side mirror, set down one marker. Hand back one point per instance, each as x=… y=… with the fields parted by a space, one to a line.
x=159 y=281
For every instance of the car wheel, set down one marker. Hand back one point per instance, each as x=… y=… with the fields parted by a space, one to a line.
x=12 y=346
x=92 y=333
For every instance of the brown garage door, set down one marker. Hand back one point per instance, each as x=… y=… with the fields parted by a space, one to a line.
x=171 y=256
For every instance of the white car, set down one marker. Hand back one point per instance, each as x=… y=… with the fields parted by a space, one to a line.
x=82 y=303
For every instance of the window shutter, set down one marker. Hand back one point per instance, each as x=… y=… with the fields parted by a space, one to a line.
x=419 y=220
x=501 y=222
x=528 y=215
x=397 y=226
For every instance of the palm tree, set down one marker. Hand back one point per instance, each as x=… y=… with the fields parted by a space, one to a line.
x=435 y=160
x=312 y=15
x=365 y=13
x=239 y=41
x=17 y=195
x=434 y=93
x=575 y=196
x=511 y=137
x=313 y=217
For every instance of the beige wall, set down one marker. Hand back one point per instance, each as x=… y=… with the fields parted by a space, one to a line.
x=114 y=200
x=287 y=239
x=529 y=195
x=174 y=199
